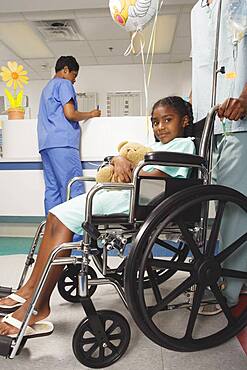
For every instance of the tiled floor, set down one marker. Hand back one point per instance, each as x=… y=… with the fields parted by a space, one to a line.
x=55 y=351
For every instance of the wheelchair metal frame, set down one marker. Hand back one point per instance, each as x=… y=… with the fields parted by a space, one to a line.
x=9 y=347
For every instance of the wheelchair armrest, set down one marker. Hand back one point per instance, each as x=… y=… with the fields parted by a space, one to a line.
x=175 y=158
x=78 y=178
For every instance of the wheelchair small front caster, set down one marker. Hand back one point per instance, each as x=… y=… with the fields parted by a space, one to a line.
x=67 y=284
x=98 y=353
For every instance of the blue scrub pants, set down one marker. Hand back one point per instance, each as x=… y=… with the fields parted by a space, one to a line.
x=60 y=165
x=230 y=157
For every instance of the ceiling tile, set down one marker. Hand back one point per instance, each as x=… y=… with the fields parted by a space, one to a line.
x=181 y=45
x=18 y=6
x=183 y=27
x=161 y=58
x=32 y=73
x=157 y=59
x=92 y=13
x=170 y=9
x=11 y=17
x=44 y=15
x=187 y=8
x=41 y=65
x=6 y=53
x=103 y=28
x=100 y=32
x=103 y=47
x=18 y=61
x=86 y=61
x=165 y=29
x=181 y=2
x=115 y=60
x=21 y=38
x=176 y=58
x=75 y=48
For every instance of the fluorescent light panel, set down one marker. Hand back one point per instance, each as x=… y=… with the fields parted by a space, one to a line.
x=166 y=26
x=20 y=37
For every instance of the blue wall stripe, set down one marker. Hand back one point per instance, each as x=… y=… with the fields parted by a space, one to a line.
x=30 y=166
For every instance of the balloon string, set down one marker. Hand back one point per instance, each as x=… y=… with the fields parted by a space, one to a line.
x=147 y=60
x=151 y=47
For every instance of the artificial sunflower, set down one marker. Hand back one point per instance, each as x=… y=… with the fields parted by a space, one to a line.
x=14 y=75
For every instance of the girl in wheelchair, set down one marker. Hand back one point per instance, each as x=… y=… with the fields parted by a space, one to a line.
x=170 y=116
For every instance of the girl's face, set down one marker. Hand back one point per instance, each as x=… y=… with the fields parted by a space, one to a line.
x=168 y=124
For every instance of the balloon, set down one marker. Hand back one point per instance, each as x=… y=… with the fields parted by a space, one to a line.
x=133 y=15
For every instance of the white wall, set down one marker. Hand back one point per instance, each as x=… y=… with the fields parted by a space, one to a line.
x=33 y=91
x=166 y=79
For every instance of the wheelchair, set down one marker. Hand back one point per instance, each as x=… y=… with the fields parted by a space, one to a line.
x=173 y=263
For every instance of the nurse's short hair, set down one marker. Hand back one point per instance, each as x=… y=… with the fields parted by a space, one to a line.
x=67 y=61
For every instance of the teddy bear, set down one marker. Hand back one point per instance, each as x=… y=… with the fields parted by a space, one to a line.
x=134 y=152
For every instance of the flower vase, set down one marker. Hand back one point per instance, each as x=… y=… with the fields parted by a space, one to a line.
x=16 y=113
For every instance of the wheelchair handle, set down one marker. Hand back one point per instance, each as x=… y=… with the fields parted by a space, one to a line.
x=207 y=132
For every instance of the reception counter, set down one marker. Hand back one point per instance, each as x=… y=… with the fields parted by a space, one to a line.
x=21 y=178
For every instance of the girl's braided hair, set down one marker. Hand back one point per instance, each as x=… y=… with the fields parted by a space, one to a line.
x=181 y=106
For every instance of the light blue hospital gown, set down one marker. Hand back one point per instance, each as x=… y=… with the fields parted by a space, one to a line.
x=230 y=152
x=106 y=202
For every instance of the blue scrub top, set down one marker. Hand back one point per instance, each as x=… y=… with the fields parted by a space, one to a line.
x=54 y=129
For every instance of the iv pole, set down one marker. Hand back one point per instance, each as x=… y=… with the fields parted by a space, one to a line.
x=216 y=69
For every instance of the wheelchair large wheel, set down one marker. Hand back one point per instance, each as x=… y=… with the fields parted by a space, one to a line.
x=162 y=312
x=95 y=352
x=68 y=282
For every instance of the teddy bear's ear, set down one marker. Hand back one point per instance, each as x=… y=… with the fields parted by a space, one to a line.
x=122 y=144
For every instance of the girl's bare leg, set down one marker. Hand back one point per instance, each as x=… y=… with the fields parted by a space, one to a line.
x=55 y=233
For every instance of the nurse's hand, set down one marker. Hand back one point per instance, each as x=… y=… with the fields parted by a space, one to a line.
x=122 y=169
x=95 y=113
x=233 y=108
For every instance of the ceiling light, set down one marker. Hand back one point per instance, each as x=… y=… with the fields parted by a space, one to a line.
x=20 y=38
x=166 y=26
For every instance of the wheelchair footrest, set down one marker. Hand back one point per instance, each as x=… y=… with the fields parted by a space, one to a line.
x=4 y=291
x=5 y=345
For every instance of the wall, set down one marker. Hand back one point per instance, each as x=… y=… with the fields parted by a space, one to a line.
x=21 y=176
x=33 y=91
x=167 y=79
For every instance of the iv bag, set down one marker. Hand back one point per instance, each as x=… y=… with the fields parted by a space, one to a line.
x=237 y=18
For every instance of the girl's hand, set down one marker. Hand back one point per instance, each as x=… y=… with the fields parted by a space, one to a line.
x=122 y=169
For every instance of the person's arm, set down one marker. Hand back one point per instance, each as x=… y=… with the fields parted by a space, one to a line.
x=190 y=97
x=234 y=108
x=154 y=173
x=122 y=169
x=74 y=115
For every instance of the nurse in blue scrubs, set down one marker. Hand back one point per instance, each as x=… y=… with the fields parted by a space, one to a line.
x=59 y=133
